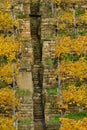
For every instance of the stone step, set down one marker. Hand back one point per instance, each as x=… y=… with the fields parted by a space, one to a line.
x=38 y=110
x=38 y=90
x=26 y=105
x=38 y=120
x=38 y=114
x=37 y=68
x=39 y=125
x=38 y=117
x=36 y=85
x=25 y=110
x=36 y=103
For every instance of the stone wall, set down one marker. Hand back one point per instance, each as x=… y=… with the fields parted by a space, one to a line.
x=47 y=29
x=24 y=78
x=25 y=120
x=49 y=81
x=48 y=60
x=22 y=12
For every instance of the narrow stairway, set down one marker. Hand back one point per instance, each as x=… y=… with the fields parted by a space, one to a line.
x=37 y=70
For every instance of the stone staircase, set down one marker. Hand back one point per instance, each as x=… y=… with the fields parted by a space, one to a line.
x=38 y=108
x=37 y=51
x=26 y=114
x=37 y=70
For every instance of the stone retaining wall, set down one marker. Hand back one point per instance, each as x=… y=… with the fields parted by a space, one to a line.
x=22 y=12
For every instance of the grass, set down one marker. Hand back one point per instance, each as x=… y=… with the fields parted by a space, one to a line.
x=49 y=62
x=78 y=83
x=2 y=84
x=22 y=92
x=79 y=12
x=86 y=57
x=75 y=116
x=55 y=120
x=69 y=57
x=72 y=33
x=52 y=91
x=62 y=33
x=25 y=121
x=50 y=37
x=82 y=33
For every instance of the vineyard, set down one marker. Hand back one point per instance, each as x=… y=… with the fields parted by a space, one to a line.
x=43 y=65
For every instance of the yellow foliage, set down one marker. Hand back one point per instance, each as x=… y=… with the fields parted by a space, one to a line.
x=74 y=70
x=66 y=17
x=56 y=1
x=6 y=73
x=74 y=95
x=69 y=124
x=68 y=1
x=83 y=18
x=8 y=47
x=6 y=4
x=6 y=21
x=62 y=46
x=8 y=54
x=8 y=101
x=70 y=21
x=66 y=45
x=7 y=124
